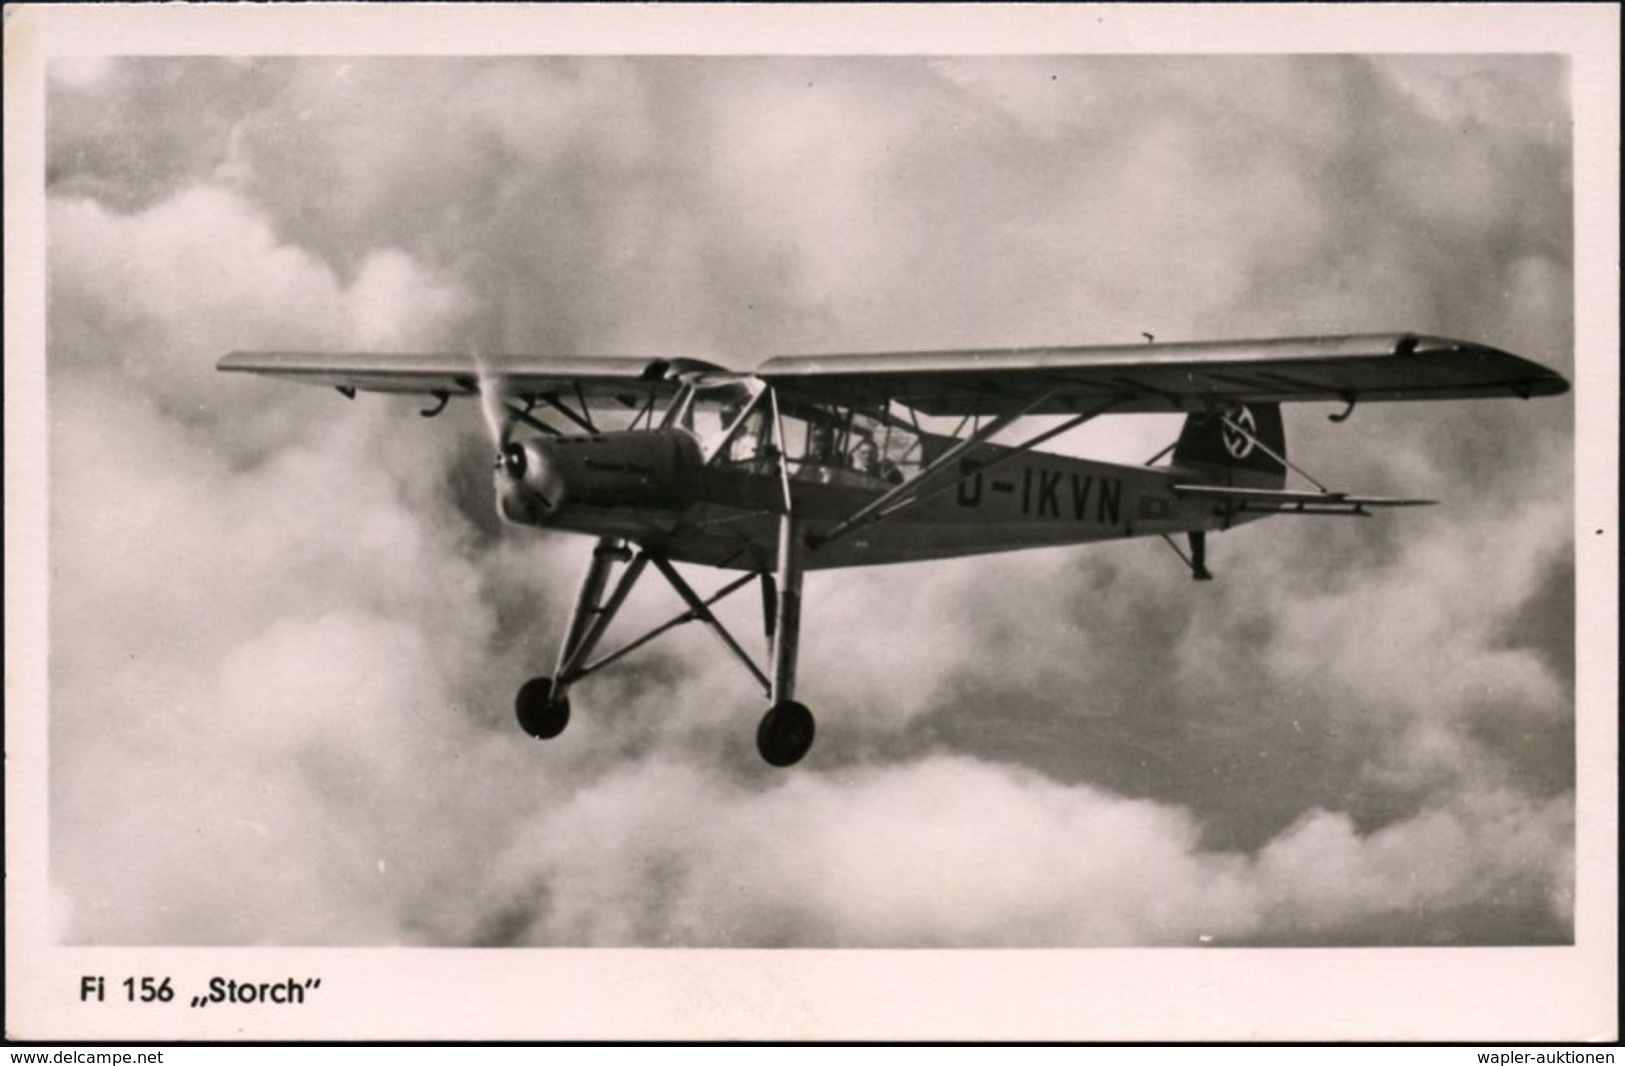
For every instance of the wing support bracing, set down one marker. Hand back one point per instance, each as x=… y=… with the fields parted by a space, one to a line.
x=783 y=450
x=912 y=493
x=583 y=419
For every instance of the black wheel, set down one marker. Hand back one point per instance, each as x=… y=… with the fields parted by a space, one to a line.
x=541 y=714
x=786 y=734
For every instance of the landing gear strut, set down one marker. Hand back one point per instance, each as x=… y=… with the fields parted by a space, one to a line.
x=543 y=703
x=1197 y=559
x=1199 y=570
x=786 y=732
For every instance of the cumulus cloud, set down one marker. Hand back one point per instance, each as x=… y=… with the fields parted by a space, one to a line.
x=286 y=628
x=950 y=851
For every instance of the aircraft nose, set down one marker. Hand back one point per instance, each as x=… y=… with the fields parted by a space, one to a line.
x=529 y=486
x=511 y=461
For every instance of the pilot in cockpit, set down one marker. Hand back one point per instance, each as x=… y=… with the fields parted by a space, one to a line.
x=866 y=459
x=820 y=459
x=747 y=443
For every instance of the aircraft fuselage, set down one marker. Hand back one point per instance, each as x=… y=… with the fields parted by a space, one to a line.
x=665 y=497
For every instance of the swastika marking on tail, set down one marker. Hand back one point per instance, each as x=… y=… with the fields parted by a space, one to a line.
x=1238 y=443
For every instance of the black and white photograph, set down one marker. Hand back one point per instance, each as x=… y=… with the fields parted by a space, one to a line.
x=1008 y=507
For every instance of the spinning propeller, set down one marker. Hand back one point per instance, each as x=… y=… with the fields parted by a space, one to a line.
x=510 y=457
x=517 y=501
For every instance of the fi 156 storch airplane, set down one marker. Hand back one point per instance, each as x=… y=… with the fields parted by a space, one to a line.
x=813 y=462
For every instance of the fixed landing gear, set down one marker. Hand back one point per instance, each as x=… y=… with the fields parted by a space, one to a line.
x=543 y=712
x=1199 y=570
x=786 y=734
x=786 y=731
x=543 y=703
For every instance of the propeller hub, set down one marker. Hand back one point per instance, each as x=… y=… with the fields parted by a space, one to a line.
x=511 y=461
x=529 y=484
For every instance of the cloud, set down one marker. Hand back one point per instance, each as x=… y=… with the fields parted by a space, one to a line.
x=286 y=628
x=950 y=851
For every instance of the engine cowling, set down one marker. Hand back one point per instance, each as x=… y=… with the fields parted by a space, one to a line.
x=538 y=478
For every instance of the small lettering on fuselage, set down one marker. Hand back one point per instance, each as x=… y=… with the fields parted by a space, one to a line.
x=1046 y=493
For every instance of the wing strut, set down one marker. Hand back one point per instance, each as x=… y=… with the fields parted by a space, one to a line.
x=583 y=419
x=784 y=450
x=1242 y=430
x=911 y=494
x=908 y=494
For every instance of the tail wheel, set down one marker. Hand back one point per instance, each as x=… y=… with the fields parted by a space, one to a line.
x=786 y=734
x=541 y=714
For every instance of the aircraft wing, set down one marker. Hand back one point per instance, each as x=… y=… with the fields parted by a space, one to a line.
x=1165 y=377
x=626 y=380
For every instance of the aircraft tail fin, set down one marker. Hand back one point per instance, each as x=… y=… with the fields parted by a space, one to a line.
x=1244 y=446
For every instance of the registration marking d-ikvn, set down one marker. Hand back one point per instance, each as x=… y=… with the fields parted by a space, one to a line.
x=1043 y=491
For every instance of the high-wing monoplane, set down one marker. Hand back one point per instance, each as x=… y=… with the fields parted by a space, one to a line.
x=822 y=461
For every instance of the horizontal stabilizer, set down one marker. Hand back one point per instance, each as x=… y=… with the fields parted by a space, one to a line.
x=1286 y=501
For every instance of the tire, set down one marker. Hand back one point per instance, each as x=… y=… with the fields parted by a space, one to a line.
x=539 y=713
x=785 y=734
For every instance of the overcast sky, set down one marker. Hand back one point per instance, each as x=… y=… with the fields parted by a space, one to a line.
x=286 y=628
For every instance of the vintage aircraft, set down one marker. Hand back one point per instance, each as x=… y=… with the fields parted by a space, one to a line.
x=813 y=462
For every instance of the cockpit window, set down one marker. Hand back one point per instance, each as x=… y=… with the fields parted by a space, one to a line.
x=828 y=444
x=727 y=419
x=840 y=446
